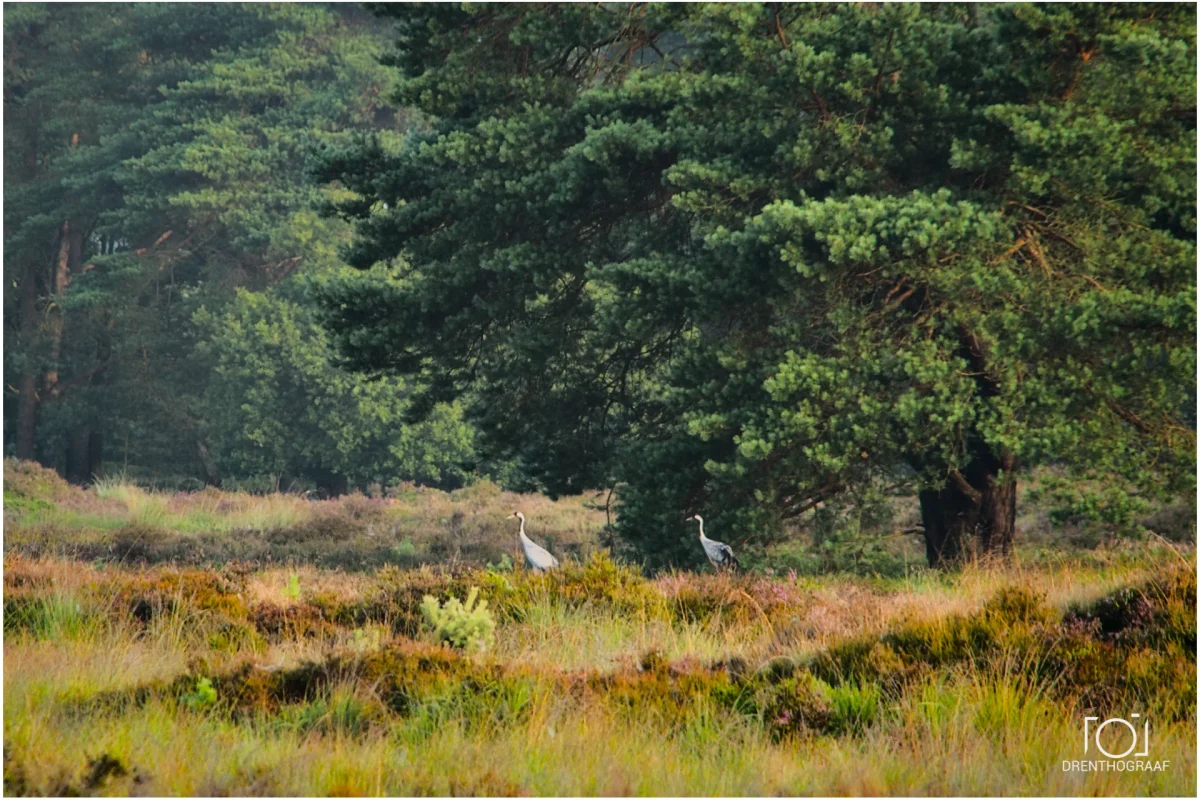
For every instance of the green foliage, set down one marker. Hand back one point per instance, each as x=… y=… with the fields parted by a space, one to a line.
x=174 y=145
x=49 y=617
x=854 y=707
x=737 y=259
x=25 y=506
x=342 y=714
x=468 y=626
x=277 y=405
x=406 y=549
x=203 y=696
x=1112 y=507
x=505 y=564
x=292 y=590
x=366 y=640
x=847 y=537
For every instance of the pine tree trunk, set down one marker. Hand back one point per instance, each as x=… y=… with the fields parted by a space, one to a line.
x=977 y=503
x=950 y=519
x=331 y=483
x=78 y=456
x=27 y=387
x=997 y=521
x=62 y=279
x=212 y=476
x=95 y=454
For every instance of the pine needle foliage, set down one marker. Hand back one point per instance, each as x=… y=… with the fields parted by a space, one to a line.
x=743 y=258
x=467 y=626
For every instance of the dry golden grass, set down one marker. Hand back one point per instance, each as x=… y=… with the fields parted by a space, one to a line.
x=960 y=730
x=118 y=521
x=599 y=682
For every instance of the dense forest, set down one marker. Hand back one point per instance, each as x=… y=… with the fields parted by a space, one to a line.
x=744 y=260
x=161 y=233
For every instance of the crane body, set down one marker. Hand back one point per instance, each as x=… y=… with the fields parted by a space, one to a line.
x=718 y=553
x=537 y=557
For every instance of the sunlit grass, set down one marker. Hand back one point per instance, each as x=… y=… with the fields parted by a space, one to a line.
x=966 y=730
x=117 y=520
x=96 y=653
x=560 y=751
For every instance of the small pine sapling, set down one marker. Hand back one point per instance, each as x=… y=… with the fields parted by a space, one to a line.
x=204 y=695
x=467 y=626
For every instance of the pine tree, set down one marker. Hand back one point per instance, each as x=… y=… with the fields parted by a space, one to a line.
x=156 y=163
x=743 y=258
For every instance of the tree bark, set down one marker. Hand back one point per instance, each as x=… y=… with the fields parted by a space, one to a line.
x=980 y=501
x=27 y=387
x=95 y=454
x=62 y=279
x=78 y=457
x=331 y=483
x=212 y=476
x=997 y=522
x=85 y=453
x=949 y=518
x=975 y=509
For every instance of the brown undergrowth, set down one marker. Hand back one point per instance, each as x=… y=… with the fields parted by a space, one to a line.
x=131 y=675
x=120 y=523
x=1132 y=648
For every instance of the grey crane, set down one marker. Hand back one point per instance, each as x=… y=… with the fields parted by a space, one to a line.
x=538 y=558
x=718 y=553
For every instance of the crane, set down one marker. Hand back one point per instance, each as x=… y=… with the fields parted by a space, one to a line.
x=719 y=553
x=538 y=558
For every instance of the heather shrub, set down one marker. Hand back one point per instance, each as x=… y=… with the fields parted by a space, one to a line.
x=797 y=706
x=1013 y=605
x=299 y=621
x=29 y=480
x=141 y=542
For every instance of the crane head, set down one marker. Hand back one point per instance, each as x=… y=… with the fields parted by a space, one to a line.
x=516 y=515
x=695 y=517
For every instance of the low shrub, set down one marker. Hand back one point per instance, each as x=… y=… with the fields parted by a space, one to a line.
x=1132 y=648
x=148 y=544
x=202 y=696
x=467 y=626
x=163 y=591
x=797 y=706
x=29 y=480
x=300 y=621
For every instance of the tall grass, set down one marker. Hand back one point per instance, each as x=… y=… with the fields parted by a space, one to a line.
x=88 y=685
x=293 y=671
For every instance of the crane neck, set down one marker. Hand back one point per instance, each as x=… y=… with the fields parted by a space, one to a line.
x=701 y=521
x=521 y=532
